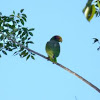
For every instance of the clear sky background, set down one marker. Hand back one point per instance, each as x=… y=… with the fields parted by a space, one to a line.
x=39 y=79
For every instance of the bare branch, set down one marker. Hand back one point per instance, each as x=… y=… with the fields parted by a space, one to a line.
x=72 y=72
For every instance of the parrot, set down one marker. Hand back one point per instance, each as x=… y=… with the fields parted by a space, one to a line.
x=53 y=48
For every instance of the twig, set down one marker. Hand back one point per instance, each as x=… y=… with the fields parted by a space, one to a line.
x=75 y=98
x=72 y=72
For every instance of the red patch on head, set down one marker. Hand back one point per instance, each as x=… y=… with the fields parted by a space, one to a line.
x=58 y=38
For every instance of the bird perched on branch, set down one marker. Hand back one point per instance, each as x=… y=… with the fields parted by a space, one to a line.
x=53 y=48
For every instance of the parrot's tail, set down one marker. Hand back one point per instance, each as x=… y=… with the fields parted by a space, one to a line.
x=54 y=60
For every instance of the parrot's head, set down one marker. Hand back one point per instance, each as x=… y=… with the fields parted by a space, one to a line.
x=57 y=38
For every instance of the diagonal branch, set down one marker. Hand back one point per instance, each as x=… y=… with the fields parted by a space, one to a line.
x=72 y=72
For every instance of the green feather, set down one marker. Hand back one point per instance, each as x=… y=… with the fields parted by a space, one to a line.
x=53 y=50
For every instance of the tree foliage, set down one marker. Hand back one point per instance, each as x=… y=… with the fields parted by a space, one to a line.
x=12 y=30
x=92 y=8
x=14 y=36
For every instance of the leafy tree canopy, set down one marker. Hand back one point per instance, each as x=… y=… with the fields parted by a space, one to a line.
x=92 y=8
x=13 y=32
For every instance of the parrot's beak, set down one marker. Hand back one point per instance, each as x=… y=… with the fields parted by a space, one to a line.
x=61 y=40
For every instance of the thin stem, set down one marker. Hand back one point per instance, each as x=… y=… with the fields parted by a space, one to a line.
x=80 y=77
x=72 y=72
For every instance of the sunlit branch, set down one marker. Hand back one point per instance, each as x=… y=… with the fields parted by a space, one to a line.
x=72 y=72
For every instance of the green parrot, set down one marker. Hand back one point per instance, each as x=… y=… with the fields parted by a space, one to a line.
x=53 y=48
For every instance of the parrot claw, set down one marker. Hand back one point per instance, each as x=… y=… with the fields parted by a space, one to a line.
x=48 y=58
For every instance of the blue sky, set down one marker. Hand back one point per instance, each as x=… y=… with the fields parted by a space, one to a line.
x=39 y=79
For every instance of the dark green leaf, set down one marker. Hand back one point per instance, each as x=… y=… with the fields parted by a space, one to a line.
x=9 y=49
x=2 y=37
x=31 y=29
x=19 y=33
x=24 y=18
x=14 y=48
x=21 y=49
x=96 y=13
x=17 y=21
x=98 y=48
x=21 y=10
x=26 y=36
x=22 y=35
x=22 y=22
x=1 y=45
x=24 y=15
x=11 y=26
x=14 y=30
x=4 y=52
x=14 y=12
x=18 y=15
x=4 y=17
x=0 y=55
x=11 y=15
x=32 y=57
x=19 y=25
x=29 y=38
x=23 y=39
x=24 y=29
x=1 y=27
x=95 y=40
x=14 y=23
x=30 y=42
x=9 y=19
x=25 y=54
x=28 y=57
x=96 y=5
x=23 y=42
x=31 y=33
x=15 y=53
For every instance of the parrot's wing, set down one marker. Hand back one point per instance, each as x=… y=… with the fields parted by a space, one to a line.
x=53 y=49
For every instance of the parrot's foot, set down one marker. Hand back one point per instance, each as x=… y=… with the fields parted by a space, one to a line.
x=48 y=58
x=53 y=62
